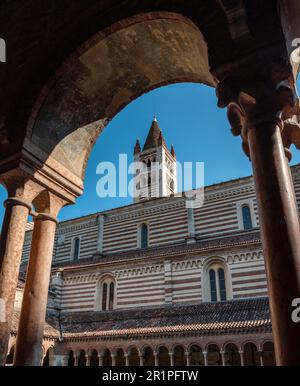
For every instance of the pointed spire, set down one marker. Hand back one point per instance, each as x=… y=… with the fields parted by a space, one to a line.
x=173 y=151
x=137 y=147
x=155 y=137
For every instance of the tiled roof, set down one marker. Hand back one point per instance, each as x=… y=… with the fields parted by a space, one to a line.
x=204 y=318
x=51 y=327
x=201 y=245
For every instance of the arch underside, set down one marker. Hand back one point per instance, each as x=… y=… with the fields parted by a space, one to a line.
x=107 y=74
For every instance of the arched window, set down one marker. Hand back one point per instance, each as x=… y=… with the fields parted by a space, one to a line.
x=213 y=285
x=144 y=236
x=247 y=221
x=216 y=281
x=217 y=284
x=76 y=248
x=107 y=294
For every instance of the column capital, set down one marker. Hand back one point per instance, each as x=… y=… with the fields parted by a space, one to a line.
x=259 y=96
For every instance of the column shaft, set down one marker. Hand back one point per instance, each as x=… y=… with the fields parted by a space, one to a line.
x=32 y=319
x=242 y=358
x=11 y=248
x=280 y=232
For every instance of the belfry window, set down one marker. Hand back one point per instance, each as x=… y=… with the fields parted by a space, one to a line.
x=144 y=236
x=107 y=292
x=76 y=248
x=247 y=221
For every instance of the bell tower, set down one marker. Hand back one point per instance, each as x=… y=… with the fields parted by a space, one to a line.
x=160 y=177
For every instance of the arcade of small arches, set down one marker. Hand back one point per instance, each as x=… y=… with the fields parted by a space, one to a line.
x=247 y=353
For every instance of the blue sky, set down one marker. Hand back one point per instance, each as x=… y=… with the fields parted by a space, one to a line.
x=190 y=120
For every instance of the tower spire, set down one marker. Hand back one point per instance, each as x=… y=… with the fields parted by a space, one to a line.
x=155 y=137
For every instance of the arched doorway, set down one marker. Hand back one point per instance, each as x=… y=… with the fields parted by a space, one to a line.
x=133 y=357
x=149 y=357
x=94 y=359
x=179 y=357
x=163 y=356
x=196 y=356
x=82 y=359
x=232 y=355
x=268 y=354
x=10 y=356
x=71 y=359
x=120 y=358
x=107 y=361
x=251 y=355
x=213 y=356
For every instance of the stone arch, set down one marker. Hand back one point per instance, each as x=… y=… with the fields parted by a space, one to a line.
x=251 y=355
x=79 y=111
x=106 y=359
x=133 y=356
x=82 y=358
x=71 y=358
x=148 y=356
x=218 y=262
x=120 y=357
x=268 y=354
x=213 y=355
x=163 y=356
x=196 y=355
x=179 y=355
x=232 y=355
x=94 y=358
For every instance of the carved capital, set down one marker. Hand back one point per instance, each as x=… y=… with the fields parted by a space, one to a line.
x=261 y=98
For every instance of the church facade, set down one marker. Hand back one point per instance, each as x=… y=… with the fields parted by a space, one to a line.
x=157 y=283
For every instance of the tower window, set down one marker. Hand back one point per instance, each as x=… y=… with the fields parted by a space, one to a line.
x=144 y=236
x=247 y=221
x=76 y=248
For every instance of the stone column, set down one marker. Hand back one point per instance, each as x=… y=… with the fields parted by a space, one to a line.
x=155 y=354
x=242 y=357
x=32 y=319
x=141 y=359
x=171 y=355
x=87 y=360
x=126 y=359
x=255 y=109
x=100 y=356
x=223 y=357
x=11 y=248
x=280 y=232
x=261 y=359
x=76 y=359
x=113 y=359
x=187 y=358
x=205 y=358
